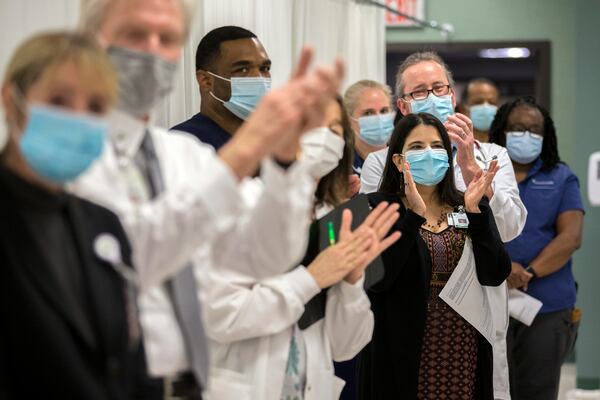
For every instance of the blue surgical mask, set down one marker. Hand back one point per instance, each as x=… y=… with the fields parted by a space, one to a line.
x=482 y=116
x=376 y=129
x=524 y=147
x=246 y=93
x=440 y=107
x=60 y=145
x=429 y=166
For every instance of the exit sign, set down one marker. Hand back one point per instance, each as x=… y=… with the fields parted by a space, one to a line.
x=414 y=8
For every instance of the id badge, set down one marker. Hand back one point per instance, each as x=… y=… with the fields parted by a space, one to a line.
x=459 y=220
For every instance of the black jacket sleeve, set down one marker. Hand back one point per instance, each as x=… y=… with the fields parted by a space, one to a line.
x=491 y=259
x=397 y=255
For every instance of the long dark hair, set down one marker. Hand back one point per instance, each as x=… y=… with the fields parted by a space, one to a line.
x=333 y=188
x=393 y=180
x=549 y=156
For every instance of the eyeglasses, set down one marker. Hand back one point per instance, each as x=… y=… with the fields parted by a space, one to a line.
x=532 y=134
x=422 y=94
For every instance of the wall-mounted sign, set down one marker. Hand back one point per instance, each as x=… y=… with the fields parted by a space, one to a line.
x=414 y=8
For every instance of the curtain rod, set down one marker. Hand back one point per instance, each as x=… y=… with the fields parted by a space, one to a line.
x=445 y=29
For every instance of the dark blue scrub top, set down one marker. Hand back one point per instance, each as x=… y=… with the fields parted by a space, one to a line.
x=204 y=129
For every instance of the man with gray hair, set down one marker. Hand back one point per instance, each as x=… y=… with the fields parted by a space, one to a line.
x=176 y=196
x=424 y=83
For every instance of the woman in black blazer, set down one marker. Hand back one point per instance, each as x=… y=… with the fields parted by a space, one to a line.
x=69 y=328
x=421 y=348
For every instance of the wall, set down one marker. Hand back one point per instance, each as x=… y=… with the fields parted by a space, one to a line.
x=572 y=28
x=21 y=18
x=587 y=140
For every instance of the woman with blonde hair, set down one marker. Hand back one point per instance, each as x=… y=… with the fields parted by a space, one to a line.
x=369 y=104
x=69 y=327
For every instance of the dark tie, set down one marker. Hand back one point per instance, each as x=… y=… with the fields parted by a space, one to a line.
x=182 y=287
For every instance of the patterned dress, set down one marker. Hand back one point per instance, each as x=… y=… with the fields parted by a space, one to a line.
x=449 y=354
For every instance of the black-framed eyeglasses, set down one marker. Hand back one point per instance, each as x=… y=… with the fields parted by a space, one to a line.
x=422 y=94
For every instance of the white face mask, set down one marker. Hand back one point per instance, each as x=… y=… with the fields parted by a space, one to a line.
x=322 y=149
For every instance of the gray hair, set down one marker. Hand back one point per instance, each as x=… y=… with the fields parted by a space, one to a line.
x=92 y=14
x=354 y=92
x=416 y=58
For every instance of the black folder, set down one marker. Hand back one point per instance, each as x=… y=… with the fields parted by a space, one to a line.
x=319 y=240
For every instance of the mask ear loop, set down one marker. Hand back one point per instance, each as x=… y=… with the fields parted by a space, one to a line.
x=402 y=163
x=21 y=108
x=218 y=76
x=211 y=92
x=402 y=160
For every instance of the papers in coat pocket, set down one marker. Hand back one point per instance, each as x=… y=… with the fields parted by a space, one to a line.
x=466 y=295
x=522 y=306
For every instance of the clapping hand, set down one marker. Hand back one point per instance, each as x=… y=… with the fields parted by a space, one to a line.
x=356 y=249
x=415 y=201
x=460 y=130
x=478 y=187
x=379 y=222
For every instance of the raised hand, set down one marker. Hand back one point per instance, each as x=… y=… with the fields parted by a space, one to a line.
x=415 y=201
x=479 y=186
x=380 y=221
x=335 y=262
x=356 y=249
x=460 y=130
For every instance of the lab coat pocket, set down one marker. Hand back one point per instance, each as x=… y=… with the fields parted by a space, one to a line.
x=225 y=384
x=337 y=387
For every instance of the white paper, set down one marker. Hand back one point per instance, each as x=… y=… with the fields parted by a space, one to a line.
x=522 y=306
x=466 y=295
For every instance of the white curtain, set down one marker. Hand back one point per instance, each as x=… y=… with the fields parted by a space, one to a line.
x=20 y=19
x=333 y=27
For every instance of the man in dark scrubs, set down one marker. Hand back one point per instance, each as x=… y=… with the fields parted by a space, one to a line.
x=233 y=72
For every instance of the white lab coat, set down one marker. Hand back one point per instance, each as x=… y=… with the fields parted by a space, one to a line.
x=498 y=300
x=250 y=323
x=497 y=307
x=202 y=207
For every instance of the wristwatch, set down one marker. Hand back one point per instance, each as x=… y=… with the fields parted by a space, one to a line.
x=531 y=271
